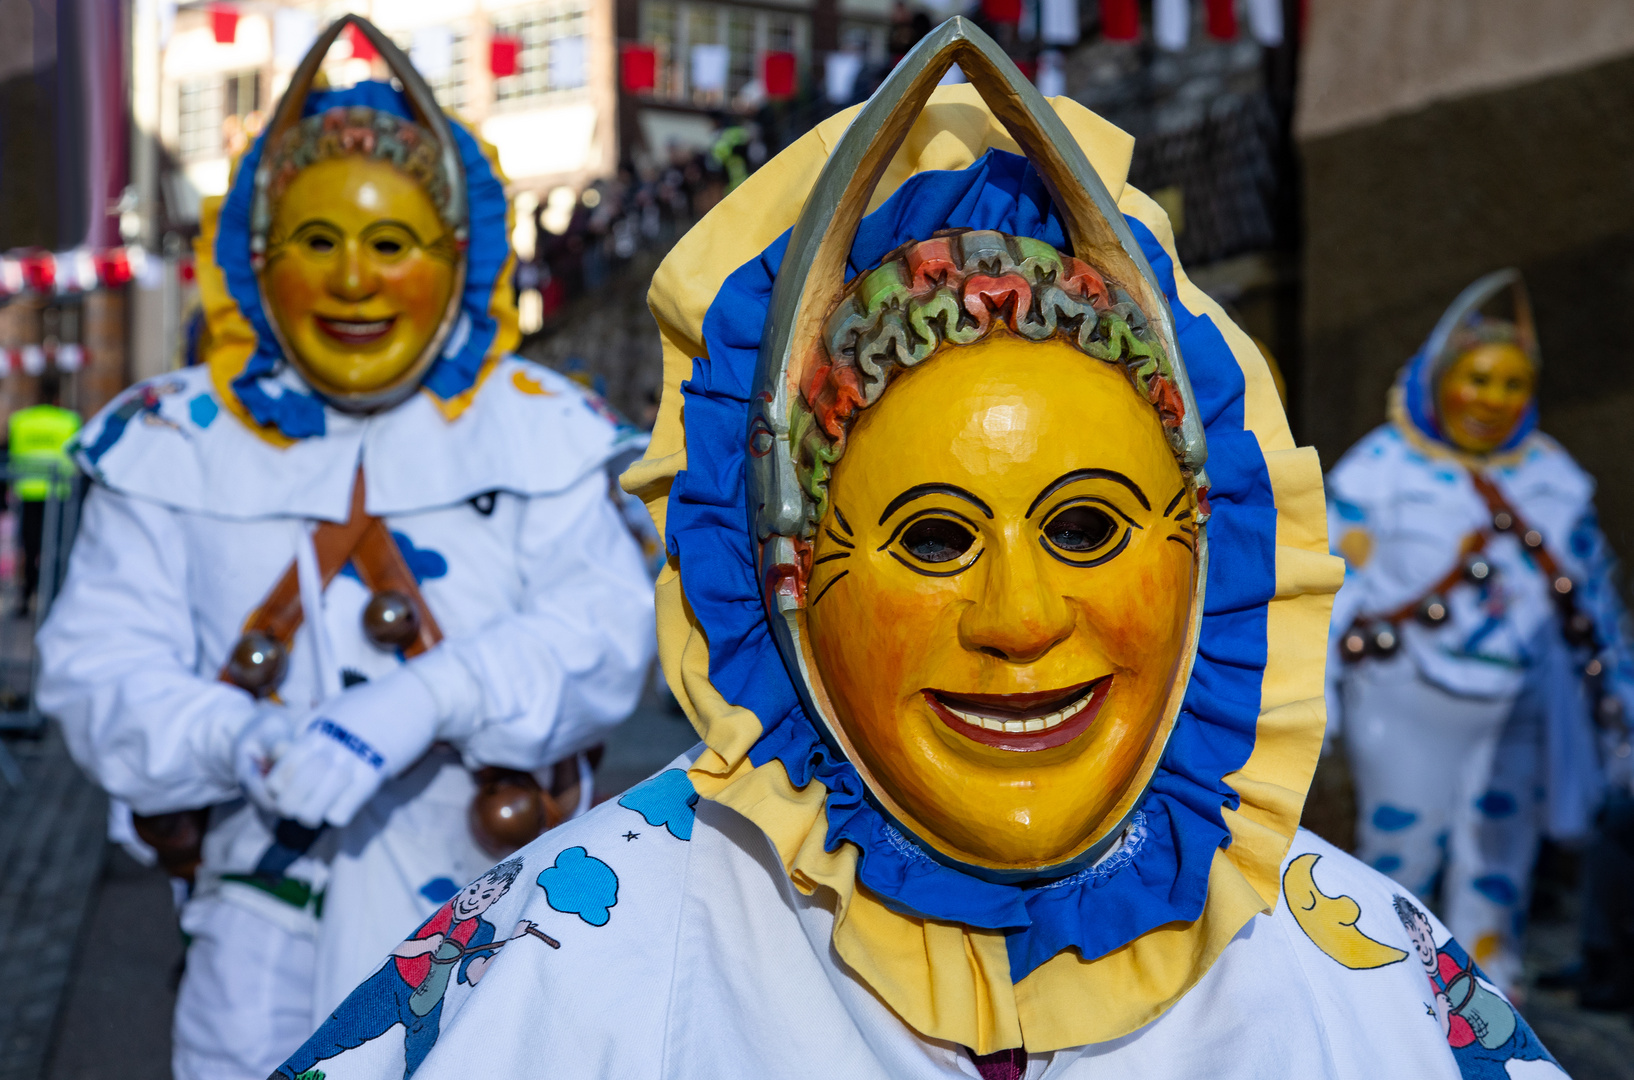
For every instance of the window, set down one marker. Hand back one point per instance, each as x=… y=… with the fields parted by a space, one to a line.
x=673 y=28
x=553 y=57
x=441 y=55
x=215 y=109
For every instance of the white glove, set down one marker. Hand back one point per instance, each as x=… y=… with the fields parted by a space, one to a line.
x=357 y=741
x=259 y=745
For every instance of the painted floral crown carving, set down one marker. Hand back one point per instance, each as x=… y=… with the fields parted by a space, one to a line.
x=955 y=289
x=359 y=131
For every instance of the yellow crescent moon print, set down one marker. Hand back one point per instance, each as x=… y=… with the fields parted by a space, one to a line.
x=1330 y=921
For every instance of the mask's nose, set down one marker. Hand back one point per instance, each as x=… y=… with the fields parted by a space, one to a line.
x=1019 y=617
x=353 y=277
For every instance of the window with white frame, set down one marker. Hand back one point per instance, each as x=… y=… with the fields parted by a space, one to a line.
x=205 y=105
x=442 y=55
x=554 y=56
x=674 y=27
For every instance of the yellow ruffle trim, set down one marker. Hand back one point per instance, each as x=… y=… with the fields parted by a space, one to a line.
x=229 y=340
x=945 y=980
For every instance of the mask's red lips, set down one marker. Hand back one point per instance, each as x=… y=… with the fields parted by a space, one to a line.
x=356 y=332
x=1022 y=722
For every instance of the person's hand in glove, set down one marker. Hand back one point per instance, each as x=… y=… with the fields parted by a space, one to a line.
x=358 y=740
x=261 y=742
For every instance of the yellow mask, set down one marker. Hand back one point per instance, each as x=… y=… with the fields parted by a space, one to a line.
x=1009 y=544
x=1483 y=395
x=359 y=273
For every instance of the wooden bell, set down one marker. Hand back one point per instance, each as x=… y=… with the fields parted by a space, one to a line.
x=391 y=621
x=509 y=810
x=257 y=664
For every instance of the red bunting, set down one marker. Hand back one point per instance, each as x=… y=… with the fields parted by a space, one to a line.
x=224 y=23
x=638 y=67
x=1222 y=19
x=1120 y=20
x=777 y=73
x=504 y=55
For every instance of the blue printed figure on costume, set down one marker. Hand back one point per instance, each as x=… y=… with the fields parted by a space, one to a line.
x=423 y=563
x=456 y=942
x=667 y=800
x=580 y=884
x=1482 y=1028
x=143 y=401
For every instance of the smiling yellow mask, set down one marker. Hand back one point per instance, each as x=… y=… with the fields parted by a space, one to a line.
x=1484 y=394
x=996 y=579
x=358 y=276
x=358 y=231
x=1002 y=594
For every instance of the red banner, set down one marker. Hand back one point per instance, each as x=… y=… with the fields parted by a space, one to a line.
x=504 y=55
x=777 y=73
x=638 y=67
x=361 y=48
x=1002 y=11
x=224 y=23
x=1222 y=19
x=1120 y=20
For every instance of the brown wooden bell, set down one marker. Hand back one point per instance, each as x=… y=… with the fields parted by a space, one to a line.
x=391 y=621
x=257 y=664
x=177 y=838
x=509 y=810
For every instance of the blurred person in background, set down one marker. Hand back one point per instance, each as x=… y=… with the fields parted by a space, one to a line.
x=38 y=438
x=1480 y=639
x=350 y=603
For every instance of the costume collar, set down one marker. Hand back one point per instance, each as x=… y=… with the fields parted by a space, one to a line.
x=246 y=362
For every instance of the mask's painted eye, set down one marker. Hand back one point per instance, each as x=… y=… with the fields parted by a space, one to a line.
x=1080 y=529
x=388 y=247
x=320 y=244
x=937 y=539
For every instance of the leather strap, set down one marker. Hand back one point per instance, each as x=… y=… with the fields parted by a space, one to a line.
x=1476 y=542
x=367 y=544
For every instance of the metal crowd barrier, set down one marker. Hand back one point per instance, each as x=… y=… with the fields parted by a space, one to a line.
x=20 y=715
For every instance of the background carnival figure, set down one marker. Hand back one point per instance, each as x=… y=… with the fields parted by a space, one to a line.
x=334 y=577
x=1479 y=637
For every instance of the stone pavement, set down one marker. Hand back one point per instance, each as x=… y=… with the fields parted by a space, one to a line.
x=51 y=856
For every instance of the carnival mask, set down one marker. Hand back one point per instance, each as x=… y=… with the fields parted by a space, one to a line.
x=358 y=231
x=359 y=272
x=1484 y=394
x=1001 y=594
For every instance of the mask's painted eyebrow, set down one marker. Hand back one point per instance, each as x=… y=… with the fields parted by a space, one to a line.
x=921 y=490
x=1089 y=474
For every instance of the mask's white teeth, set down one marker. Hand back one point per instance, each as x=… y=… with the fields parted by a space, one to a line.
x=1037 y=723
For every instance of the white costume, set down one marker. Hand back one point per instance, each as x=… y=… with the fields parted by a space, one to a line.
x=492 y=480
x=1476 y=733
x=685 y=952
x=542 y=598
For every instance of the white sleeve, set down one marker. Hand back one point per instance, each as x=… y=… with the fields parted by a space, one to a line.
x=557 y=674
x=119 y=664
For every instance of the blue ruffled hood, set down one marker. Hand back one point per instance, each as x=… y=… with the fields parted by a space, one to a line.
x=1160 y=874
x=298 y=413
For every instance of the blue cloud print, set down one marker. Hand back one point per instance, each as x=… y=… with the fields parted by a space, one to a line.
x=667 y=799
x=580 y=884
